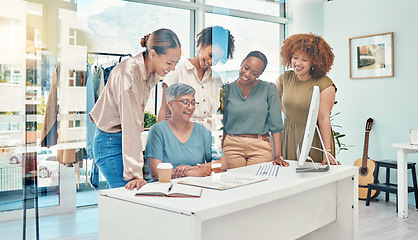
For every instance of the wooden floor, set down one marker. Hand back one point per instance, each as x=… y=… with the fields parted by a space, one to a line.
x=378 y=221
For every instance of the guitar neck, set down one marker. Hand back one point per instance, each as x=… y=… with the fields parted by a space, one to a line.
x=365 y=149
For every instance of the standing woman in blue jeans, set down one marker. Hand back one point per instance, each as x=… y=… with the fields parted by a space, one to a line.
x=119 y=111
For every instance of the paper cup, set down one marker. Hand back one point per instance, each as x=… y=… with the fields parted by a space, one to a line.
x=216 y=167
x=164 y=172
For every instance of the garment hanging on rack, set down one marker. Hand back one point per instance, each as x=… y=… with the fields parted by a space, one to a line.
x=91 y=128
x=106 y=66
x=106 y=73
x=49 y=133
x=90 y=101
x=98 y=81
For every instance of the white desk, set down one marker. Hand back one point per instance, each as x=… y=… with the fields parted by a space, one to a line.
x=290 y=206
x=403 y=149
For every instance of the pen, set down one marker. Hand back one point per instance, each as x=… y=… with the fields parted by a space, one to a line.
x=171 y=186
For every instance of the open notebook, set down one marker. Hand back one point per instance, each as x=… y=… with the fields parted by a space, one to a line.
x=168 y=190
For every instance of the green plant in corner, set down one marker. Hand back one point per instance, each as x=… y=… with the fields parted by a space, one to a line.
x=340 y=146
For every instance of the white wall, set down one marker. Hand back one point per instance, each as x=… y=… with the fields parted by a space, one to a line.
x=305 y=16
x=391 y=102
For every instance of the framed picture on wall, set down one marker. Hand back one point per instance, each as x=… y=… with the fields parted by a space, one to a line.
x=371 y=56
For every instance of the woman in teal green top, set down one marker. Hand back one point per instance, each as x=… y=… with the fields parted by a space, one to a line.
x=184 y=144
x=252 y=111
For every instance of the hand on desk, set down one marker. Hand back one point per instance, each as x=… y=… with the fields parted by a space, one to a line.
x=280 y=161
x=135 y=183
x=332 y=161
x=180 y=171
x=191 y=171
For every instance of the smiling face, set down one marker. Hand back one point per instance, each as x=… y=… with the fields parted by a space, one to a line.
x=164 y=63
x=209 y=55
x=301 y=63
x=251 y=69
x=180 y=110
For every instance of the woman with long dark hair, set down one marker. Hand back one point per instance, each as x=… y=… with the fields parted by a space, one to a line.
x=119 y=111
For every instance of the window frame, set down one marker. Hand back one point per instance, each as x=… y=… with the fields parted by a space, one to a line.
x=198 y=9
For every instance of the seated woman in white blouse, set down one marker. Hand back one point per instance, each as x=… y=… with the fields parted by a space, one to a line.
x=184 y=144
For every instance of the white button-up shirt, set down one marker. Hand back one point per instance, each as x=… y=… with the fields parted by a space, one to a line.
x=207 y=92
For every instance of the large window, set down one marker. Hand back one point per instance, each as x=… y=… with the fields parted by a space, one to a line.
x=41 y=41
x=250 y=35
x=120 y=27
x=254 y=6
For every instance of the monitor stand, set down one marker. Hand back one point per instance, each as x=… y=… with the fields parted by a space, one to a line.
x=315 y=168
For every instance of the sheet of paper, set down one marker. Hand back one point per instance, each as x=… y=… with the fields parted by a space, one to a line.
x=222 y=181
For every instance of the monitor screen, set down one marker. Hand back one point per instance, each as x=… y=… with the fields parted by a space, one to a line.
x=310 y=126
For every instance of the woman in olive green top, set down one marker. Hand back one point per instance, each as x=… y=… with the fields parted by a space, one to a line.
x=252 y=111
x=311 y=58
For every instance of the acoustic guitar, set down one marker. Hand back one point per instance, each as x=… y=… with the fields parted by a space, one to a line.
x=366 y=167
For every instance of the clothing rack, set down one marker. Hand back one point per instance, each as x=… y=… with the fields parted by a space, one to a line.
x=120 y=55
x=120 y=58
x=110 y=54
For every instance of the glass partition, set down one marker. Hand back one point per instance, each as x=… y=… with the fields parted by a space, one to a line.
x=255 y=6
x=256 y=35
x=46 y=49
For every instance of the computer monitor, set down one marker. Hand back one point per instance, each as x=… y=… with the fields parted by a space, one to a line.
x=309 y=135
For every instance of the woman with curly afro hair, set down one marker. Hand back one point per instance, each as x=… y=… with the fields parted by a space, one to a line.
x=310 y=58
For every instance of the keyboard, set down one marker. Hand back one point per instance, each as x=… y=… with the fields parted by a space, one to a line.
x=268 y=170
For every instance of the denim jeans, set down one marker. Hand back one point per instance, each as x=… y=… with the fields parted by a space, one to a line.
x=94 y=176
x=107 y=148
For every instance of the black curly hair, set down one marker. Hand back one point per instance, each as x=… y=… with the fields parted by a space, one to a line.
x=217 y=35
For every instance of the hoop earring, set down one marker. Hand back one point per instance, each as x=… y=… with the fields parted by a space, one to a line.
x=311 y=70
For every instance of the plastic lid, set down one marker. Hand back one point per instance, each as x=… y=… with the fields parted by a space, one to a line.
x=216 y=164
x=165 y=166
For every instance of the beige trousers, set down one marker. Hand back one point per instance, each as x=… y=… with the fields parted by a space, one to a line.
x=243 y=151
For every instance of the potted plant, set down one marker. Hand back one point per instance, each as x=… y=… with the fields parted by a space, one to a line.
x=149 y=119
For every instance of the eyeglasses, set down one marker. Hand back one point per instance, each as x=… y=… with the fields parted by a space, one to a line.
x=187 y=103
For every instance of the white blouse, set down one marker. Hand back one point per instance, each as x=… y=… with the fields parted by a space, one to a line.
x=207 y=92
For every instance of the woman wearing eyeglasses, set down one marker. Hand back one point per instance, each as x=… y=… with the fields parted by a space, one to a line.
x=177 y=140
